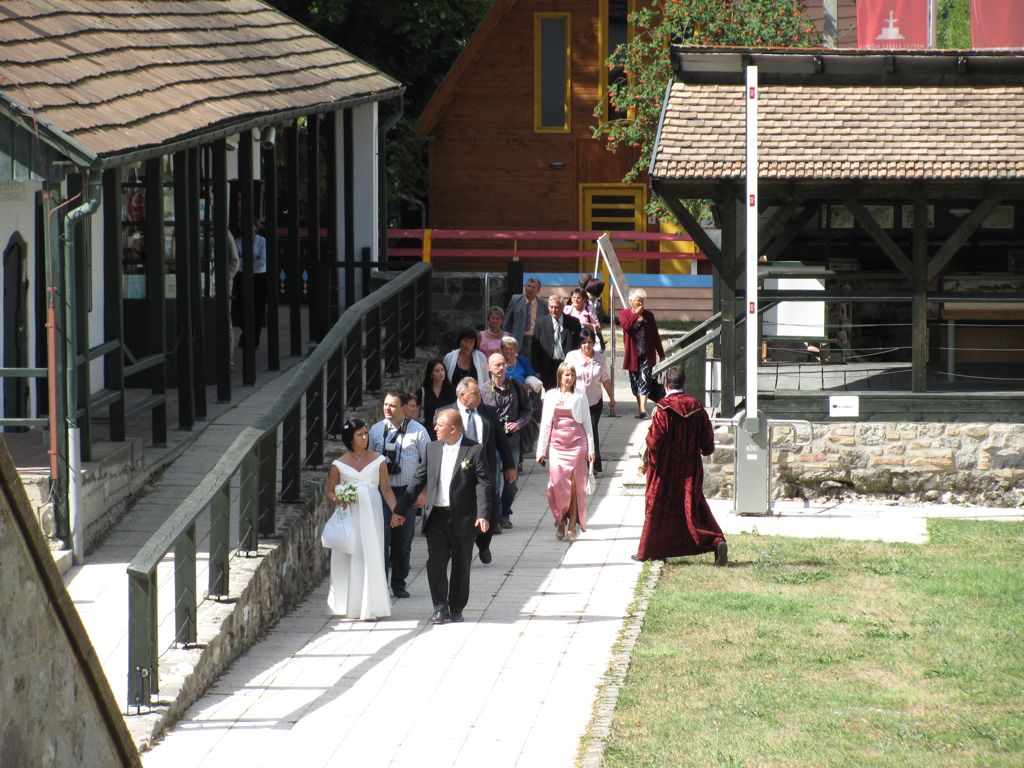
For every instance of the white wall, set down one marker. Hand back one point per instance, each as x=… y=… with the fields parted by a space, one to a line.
x=365 y=151
x=17 y=214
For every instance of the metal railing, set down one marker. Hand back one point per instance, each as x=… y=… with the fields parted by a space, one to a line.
x=366 y=343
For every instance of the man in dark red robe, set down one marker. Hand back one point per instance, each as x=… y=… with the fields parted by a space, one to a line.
x=678 y=520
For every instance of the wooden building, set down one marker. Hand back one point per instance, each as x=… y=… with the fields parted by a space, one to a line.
x=896 y=180
x=510 y=127
x=123 y=126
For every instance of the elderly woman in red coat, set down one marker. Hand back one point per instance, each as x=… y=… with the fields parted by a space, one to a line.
x=642 y=342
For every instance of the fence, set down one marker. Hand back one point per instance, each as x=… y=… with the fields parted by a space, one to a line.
x=367 y=341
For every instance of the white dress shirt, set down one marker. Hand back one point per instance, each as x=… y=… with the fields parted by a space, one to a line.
x=478 y=423
x=449 y=460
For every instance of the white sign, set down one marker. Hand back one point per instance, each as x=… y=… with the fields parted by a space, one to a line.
x=843 y=406
x=606 y=251
x=12 y=191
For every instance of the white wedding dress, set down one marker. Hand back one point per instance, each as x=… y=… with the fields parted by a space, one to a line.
x=359 y=587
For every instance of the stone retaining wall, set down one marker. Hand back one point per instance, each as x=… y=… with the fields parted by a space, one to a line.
x=950 y=463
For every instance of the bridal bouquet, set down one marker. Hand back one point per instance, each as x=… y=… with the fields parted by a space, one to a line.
x=345 y=493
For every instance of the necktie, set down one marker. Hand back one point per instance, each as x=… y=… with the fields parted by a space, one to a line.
x=559 y=352
x=471 y=425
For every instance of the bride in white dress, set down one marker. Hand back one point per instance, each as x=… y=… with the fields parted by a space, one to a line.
x=359 y=587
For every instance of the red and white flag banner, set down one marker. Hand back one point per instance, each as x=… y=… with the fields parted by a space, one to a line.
x=997 y=24
x=893 y=24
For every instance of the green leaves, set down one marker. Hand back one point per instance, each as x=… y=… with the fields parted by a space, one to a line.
x=648 y=66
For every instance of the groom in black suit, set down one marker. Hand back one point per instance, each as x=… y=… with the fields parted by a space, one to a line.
x=458 y=504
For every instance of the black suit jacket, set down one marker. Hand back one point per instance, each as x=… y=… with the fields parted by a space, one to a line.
x=470 y=495
x=495 y=444
x=544 y=334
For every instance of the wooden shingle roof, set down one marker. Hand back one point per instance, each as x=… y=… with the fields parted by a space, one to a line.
x=110 y=77
x=845 y=132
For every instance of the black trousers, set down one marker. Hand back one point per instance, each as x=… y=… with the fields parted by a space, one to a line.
x=447 y=544
x=595 y=418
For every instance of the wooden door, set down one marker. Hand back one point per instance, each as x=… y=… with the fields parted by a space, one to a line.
x=614 y=208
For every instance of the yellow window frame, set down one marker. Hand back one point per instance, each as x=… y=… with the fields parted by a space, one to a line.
x=604 y=53
x=538 y=20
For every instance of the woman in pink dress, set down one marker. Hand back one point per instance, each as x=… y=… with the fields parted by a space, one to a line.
x=567 y=440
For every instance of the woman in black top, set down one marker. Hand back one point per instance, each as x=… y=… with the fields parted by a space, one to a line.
x=436 y=392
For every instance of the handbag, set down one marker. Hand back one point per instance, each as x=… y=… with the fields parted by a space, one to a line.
x=591 y=482
x=339 y=531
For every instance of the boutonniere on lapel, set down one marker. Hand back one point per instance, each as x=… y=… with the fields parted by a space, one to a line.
x=467 y=464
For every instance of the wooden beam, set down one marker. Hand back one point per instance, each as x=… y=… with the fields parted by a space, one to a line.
x=879 y=235
x=960 y=235
x=919 y=287
x=113 y=304
x=222 y=285
x=183 y=350
x=731 y=240
x=695 y=230
x=793 y=228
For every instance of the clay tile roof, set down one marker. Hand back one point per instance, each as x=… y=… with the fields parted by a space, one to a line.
x=115 y=76
x=833 y=132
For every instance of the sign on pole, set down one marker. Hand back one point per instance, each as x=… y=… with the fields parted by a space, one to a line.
x=619 y=286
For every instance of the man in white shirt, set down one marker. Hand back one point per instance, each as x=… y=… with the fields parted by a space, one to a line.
x=403 y=442
x=459 y=497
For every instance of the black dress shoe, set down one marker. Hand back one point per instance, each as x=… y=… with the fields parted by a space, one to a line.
x=456 y=618
x=721 y=553
x=440 y=616
x=400 y=591
x=485 y=556
x=506 y=522
x=635 y=558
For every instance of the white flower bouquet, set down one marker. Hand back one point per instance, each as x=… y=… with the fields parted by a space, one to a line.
x=345 y=493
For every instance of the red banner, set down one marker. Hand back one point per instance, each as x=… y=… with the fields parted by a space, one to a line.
x=893 y=24
x=997 y=24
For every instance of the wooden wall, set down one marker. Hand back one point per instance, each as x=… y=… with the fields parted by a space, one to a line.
x=488 y=168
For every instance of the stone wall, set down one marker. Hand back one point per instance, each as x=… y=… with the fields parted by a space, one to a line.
x=461 y=300
x=926 y=462
x=56 y=707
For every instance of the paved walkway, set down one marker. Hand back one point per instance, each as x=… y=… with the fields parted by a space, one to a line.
x=513 y=686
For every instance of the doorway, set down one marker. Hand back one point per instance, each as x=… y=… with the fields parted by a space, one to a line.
x=15 y=329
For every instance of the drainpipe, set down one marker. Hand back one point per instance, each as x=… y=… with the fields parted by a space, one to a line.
x=92 y=189
x=382 y=177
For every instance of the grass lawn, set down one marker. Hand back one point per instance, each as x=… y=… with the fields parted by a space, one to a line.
x=833 y=653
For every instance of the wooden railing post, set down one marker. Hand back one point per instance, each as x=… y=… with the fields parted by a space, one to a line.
x=290 y=458
x=248 y=504
x=220 y=532
x=185 y=587
x=375 y=362
x=335 y=405
x=315 y=422
x=267 y=509
x=142 y=654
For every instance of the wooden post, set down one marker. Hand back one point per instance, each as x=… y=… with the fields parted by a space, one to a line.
x=919 y=286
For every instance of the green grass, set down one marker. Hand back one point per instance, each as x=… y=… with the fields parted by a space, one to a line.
x=828 y=653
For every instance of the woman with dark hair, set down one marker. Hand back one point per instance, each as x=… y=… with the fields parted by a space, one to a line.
x=435 y=392
x=466 y=360
x=591 y=375
x=359 y=586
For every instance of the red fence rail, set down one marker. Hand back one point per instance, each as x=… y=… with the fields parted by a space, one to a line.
x=502 y=244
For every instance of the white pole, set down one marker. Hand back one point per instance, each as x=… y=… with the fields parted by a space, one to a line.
x=752 y=249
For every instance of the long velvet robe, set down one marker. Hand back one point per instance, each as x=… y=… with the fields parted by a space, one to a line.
x=678 y=520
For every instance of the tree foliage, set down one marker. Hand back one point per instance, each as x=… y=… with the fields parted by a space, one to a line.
x=953 y=24
x=414 y=41
x=646 y=65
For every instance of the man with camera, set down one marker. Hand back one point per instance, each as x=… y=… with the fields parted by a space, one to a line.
x=403 y=443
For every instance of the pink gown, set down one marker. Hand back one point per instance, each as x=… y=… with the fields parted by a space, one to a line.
x=567 y=457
